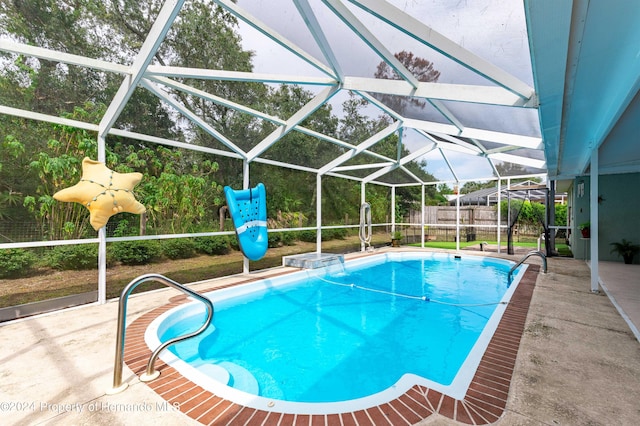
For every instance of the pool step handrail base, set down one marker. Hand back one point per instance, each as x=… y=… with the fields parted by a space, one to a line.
x=146 y=377
x=117 y=390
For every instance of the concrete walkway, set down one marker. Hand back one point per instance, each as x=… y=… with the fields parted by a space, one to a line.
x=579 y=362
x=622 y=284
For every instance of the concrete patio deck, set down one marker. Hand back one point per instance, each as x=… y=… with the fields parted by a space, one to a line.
x=578 y=362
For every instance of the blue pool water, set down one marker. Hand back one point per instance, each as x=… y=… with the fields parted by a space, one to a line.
x=342 y=334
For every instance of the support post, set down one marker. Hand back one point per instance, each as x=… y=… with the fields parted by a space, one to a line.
x=393 y=209
x=499 y=231
x=363 y=199
x=509 y=228
x=245 y=185
x=102 y=265
x=458 y=216
x=593 y=201
x=319 y=213
x=422 y=219
x=552 y=217
x=102 y=238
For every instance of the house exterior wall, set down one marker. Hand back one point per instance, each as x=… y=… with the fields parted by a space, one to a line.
x=618 y=211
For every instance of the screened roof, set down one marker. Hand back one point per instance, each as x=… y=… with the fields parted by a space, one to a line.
x=479 y=120
x=587 y=74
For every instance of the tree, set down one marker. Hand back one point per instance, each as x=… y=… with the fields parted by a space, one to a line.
x=58 y=167
x=513 y=169
x=356 y=127
x=424 y=71
x=58 y=89
x=44 y=84
x=11 y=150
x=177 y=191
x=40 y=85
x=469 y=187
x=184 y=179
x=561 y=214
x=297 y=148
x=179 y=195
x=421 y=68
x=443 y=188
x=214 y=31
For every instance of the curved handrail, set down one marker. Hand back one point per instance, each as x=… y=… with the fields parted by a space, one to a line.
x=150 y=373
x=526 y=256
x=365 y=224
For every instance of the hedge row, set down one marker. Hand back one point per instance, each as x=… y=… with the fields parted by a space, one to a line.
x=16 y=263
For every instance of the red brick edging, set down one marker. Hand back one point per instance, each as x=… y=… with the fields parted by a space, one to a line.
x=484 y=402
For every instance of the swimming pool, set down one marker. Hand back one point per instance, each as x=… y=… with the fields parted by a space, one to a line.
x=350 y=337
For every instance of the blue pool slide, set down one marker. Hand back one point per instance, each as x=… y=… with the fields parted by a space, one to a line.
x=248 y=210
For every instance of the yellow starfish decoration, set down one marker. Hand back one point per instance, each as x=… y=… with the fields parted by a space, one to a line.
x=103 y=191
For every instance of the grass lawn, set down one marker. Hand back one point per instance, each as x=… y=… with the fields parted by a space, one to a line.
x=563 y=249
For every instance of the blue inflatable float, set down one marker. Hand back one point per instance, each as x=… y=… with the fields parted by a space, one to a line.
x=248 y=210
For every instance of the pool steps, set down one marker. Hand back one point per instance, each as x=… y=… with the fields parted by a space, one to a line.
x=216 y=372
x=226 y=372
x=240 y=378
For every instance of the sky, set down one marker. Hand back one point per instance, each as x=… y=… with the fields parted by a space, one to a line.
x=492 y=29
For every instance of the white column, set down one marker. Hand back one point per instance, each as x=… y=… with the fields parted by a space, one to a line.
x=363 y=199
x=499 y=213
x=102 y=239
x=422 y=220
x=458 y=217
x=551 y=216
x=393 y=209
x=245 y=185
x=509 y=211
x=319 y=214
x=102 y=265
x=593 y=201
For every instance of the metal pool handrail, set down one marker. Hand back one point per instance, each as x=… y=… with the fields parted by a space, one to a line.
x=150 y=373
x=526 y=256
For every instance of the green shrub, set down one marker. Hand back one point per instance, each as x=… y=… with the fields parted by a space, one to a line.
x=334 y=234
x=218 y=244
x=275 y=239
x=123 y=227
x=308 y=236
x=288 y=238
x=15 y=263
x=76 y=257
x=234 y=243
x=136 y=252
x=179 y=248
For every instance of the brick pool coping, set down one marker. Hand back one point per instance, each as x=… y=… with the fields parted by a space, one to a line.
x=484 y=402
